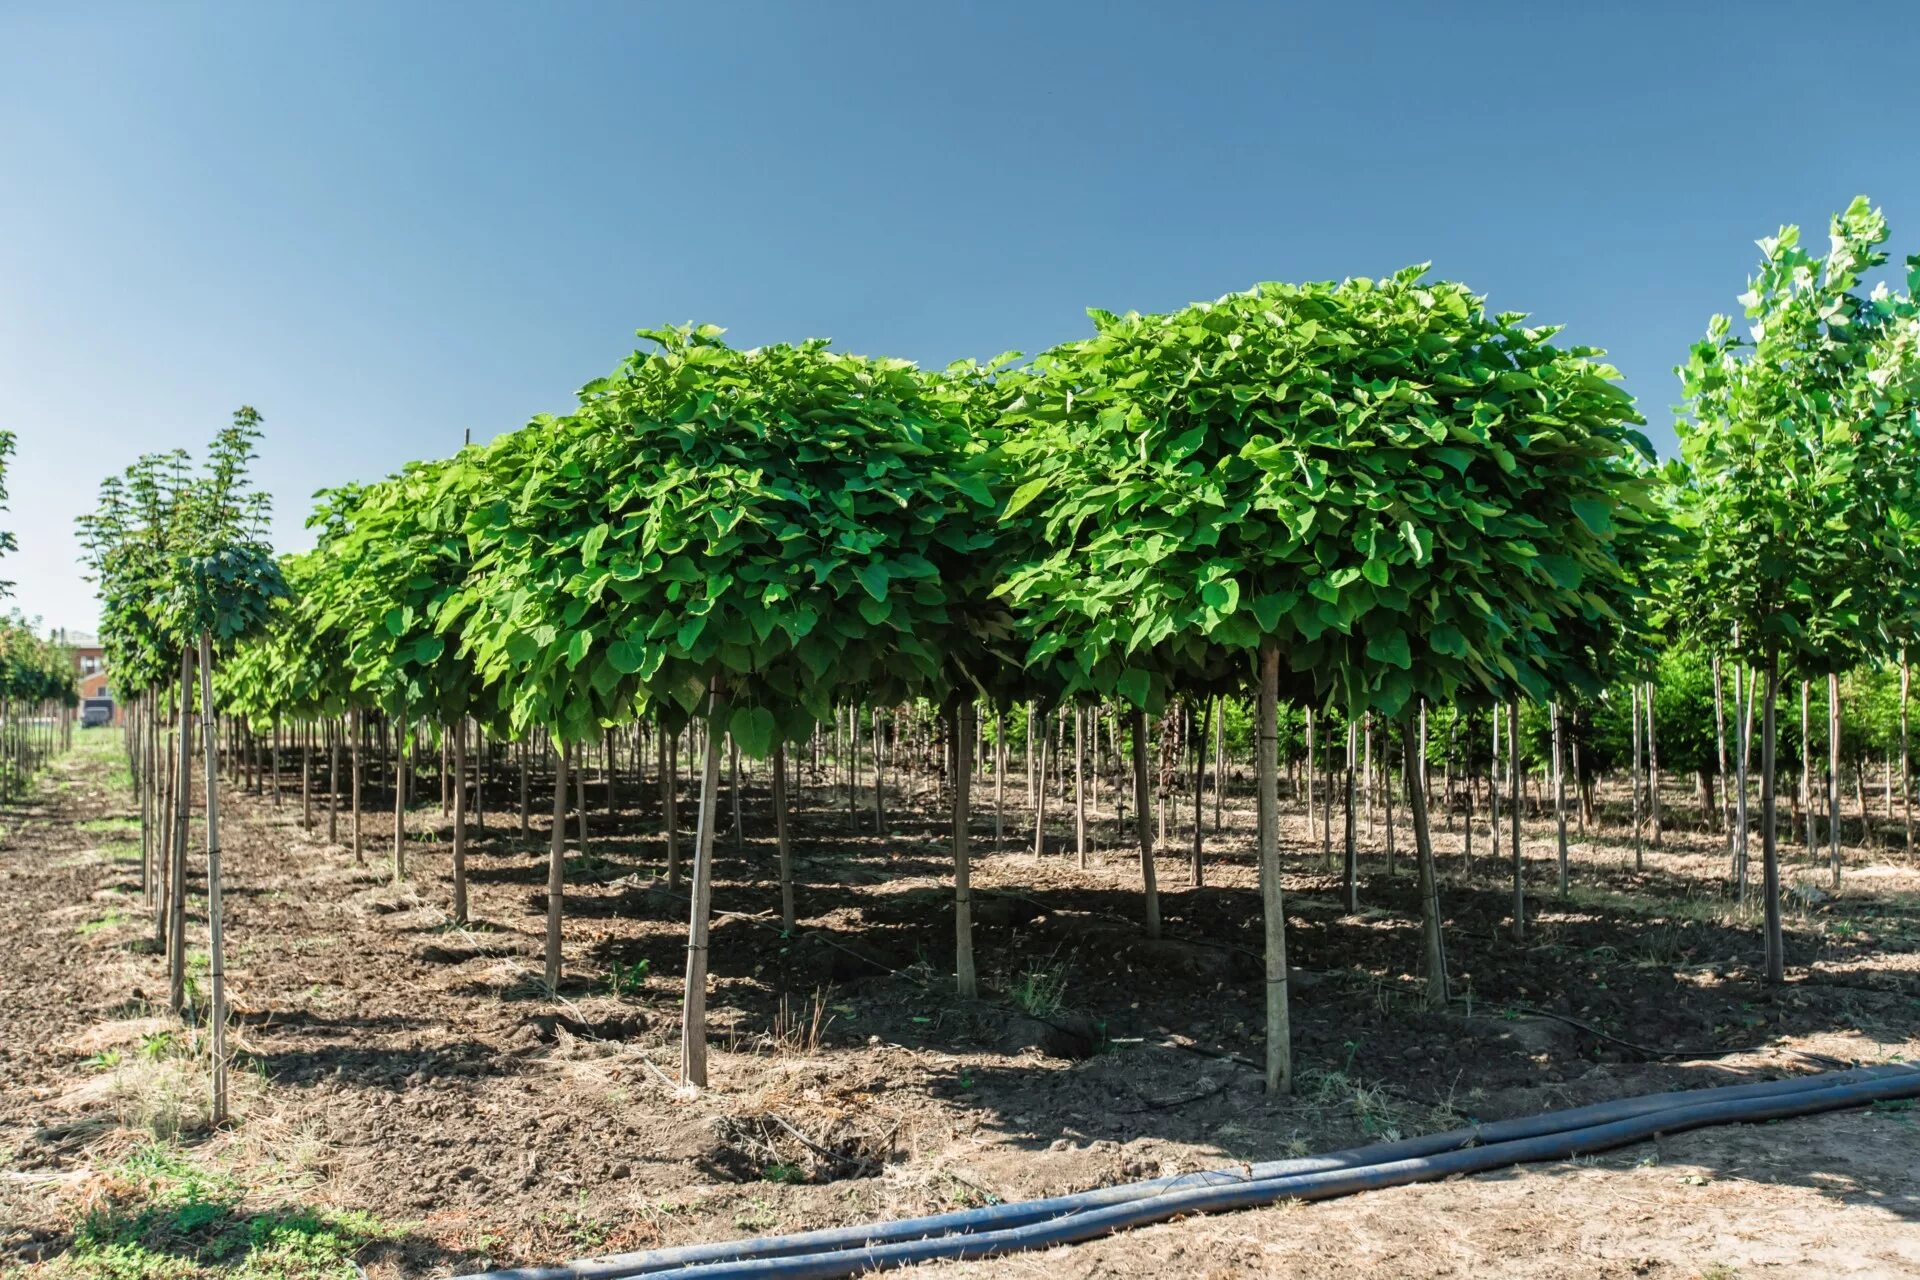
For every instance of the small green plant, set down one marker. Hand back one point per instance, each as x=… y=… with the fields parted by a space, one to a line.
x=106 y=1060
x=1041 y=990
x=783 y=1171
x=628 y=979
x=110 y=920
x=155 y=1045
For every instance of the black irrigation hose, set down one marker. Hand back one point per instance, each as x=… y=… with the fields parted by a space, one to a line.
x=838 y=1251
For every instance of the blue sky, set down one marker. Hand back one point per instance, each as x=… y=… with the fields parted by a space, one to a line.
x=385 y=225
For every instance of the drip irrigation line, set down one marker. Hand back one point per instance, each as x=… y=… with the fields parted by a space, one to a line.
x=980 y=1232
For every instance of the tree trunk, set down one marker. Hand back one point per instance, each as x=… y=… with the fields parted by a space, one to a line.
x=1633 y=725
x=1776 y=943
x=782 y=841
x=1906 y=765
x=693 y=1021
x=1434 y=942
x=401 y=741
x=1199 y=786
x=1806 y=761
x=357 y=764
x=460 y=822
x=182 y=809
x=1040 y=794
x=1080 y=785
x=306 y=777
x=1720 y=746
x=1350 y=862
x=1653 y=770
x=1513 y=789
x=1493 y=790
x=1559 y=798
x=676 y=873
x=557 y=867
x=1142 y=824
x=333 y=780
x=1833 y=773
x=1220 y=762
x=216 y=935
x=1279 y=1038
x=960 y=729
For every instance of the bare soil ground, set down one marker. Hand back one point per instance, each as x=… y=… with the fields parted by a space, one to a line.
x=410 y=1103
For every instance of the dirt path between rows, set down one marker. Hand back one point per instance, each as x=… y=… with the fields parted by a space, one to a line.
x=412 y=1072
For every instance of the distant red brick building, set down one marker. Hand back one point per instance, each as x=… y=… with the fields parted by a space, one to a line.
x=90 y=665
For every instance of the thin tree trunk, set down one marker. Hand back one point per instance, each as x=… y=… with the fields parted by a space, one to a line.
x=1720 y=747
x=1743 y=761
x=879 y=781
x=670 y=785
x=1633 y=725
x=356 y=749
x=182 y=806
x=557 y=867
x=306 y=777
x=1776 y=942
x=1493 y=789
x=460 y=821
x=1080 y=785
x=1199 y=787
x=333 y=780
x=1906 y=766
x=693 y=1022
x=1350 y=862
x=1434 y=943
x=1040 y=794
x=1653 y=770
x=1559 y=799
x=401 y=741
x=1142 y=824
x=1519 y=862
x=1279 y=1065
x=1833 y=773
x=216 y=934
x=1220 y=762
x=960 y=726
x=781 y=838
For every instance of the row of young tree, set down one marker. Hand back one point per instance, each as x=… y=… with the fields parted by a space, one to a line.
x=1367 y=504
x=38 y=685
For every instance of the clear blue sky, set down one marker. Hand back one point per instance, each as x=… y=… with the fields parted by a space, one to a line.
x=387 y=224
